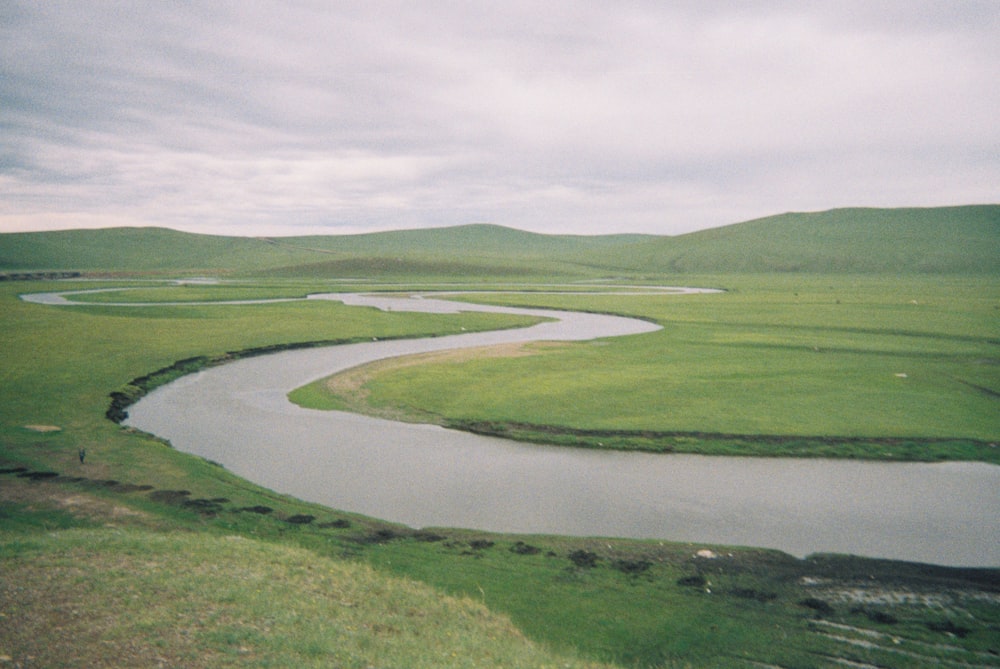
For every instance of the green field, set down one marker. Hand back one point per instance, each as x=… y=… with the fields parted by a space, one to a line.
x=897 y=368
x=146 y=553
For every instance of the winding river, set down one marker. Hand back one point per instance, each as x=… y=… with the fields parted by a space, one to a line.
x=424 y=476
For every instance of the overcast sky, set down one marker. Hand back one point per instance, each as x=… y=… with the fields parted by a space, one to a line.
x=284 y=118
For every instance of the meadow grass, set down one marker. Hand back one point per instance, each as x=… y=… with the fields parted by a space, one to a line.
x=58 y=365
x=655 y=605
x=899 y=368
x=195 y=600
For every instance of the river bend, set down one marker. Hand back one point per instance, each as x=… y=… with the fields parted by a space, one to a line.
x=422 y=475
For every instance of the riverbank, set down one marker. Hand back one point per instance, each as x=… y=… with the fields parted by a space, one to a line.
x=878 y=441
x=349 y=391
x=758 y=445
x=866 y=369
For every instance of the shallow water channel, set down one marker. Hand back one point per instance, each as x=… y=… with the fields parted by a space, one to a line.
x=238 y=415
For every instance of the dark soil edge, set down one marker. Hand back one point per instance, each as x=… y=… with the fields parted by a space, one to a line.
x=140 y=386
x=920 y=449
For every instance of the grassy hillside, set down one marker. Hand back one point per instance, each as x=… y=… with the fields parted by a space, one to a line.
x=478 y=250
x=138 y=250
x=134 y=597
x=950 y=240
x=947 y=240
x=460 y=251
x=477 y=240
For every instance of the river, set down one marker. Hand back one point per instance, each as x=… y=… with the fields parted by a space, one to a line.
x=425 y=476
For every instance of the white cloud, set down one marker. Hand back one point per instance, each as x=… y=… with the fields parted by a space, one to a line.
x=261 y=118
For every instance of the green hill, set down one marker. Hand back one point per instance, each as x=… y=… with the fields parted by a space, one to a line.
x=139 y=249
x=476 y=240
x=455 y=251
x=465 y=250
x=946 y=240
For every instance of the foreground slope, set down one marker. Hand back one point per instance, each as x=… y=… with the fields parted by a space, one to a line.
x=131 y=597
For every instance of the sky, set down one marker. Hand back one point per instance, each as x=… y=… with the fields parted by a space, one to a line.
x=588 y=117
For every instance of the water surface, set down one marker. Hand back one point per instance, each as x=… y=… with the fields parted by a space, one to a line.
x=423 y=476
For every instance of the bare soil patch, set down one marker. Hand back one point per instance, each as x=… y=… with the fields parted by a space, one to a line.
x=42 y=495
x=43 y=428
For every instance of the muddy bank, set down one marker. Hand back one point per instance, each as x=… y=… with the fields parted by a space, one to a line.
x=908 y=449
x=139 y=387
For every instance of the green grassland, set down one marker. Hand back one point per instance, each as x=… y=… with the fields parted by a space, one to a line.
x=194 y=600
x=143 y=555
x=897 y=368
x=61 y=363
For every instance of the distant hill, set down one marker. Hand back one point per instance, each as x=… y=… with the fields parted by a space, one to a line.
x=455 y=251
x=946 y=240
x=464 y=250
x=136 y=250
x=943 y=240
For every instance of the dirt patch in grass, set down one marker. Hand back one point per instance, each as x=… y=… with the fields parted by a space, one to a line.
x=79 y=504
x=43 y=428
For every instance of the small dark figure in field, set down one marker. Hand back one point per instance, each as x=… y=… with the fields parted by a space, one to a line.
x=83 y=454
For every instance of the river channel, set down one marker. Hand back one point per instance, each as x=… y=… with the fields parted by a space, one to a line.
x=426 y=476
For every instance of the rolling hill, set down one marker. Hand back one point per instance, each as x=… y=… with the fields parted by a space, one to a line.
x=945 y=240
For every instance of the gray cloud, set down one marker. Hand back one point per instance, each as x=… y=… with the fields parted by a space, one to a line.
x=286 y=118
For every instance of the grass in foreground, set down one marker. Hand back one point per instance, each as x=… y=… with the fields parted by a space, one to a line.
x=97 y=575
x=101 y=598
